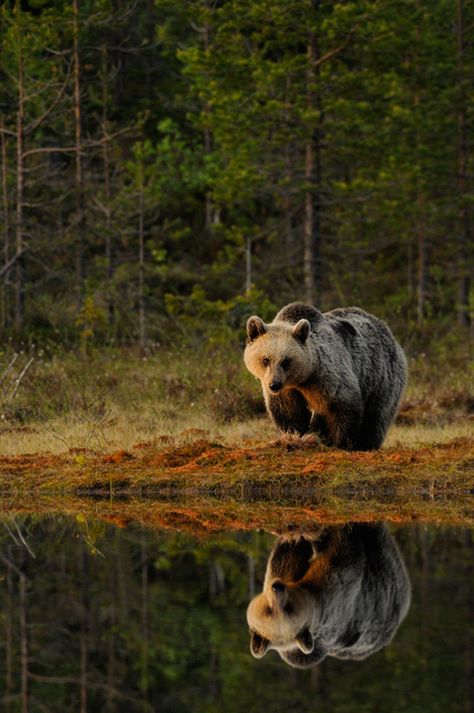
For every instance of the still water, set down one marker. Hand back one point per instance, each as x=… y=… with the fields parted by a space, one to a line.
x=100 y=618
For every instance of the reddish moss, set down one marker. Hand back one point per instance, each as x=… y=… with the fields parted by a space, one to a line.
x=118 y=457
x=208 y=465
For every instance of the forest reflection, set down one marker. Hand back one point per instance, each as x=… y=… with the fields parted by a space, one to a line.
x=95 y=617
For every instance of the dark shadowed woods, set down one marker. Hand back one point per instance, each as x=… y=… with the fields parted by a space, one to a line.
x=174 y=164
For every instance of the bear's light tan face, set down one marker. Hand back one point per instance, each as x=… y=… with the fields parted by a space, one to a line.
x=281 y=618
x=278 y=356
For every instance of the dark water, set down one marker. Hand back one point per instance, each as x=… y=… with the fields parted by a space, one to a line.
x=96 y=618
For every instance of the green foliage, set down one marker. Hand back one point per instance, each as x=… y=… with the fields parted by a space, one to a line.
x=90 y=320
x=201 y=320
x=196 y=121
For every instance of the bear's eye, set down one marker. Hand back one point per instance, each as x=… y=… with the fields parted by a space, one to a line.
x=286 y=363
x=265 y=361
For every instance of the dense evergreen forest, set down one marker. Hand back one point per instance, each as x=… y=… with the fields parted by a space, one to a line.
x=196 y=160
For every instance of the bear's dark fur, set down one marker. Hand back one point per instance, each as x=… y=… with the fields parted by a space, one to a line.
x=342 y=592
x=339 y=374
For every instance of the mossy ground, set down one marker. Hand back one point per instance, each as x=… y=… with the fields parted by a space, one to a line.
x=205 y=486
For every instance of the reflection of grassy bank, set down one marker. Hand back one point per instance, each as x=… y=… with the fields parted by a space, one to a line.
x=114 y=399
x=202 y=515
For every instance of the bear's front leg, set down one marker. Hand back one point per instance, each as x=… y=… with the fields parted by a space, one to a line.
x=290 y=411
x=344 y=421
x=319 y=426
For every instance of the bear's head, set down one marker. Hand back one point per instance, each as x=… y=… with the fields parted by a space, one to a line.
x=280 y=618
x=278 y=353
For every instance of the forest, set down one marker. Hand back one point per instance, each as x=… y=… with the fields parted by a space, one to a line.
x=170 y=166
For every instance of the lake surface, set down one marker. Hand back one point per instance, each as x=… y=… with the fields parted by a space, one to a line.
x=100 y=618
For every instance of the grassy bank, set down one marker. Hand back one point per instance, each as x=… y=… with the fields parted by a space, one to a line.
x=179 y=439
x=202 y=515
x=275 y=471
x=203 y=487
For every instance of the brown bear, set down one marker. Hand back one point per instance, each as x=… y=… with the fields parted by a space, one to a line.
x=341 y=592
x=339 y=374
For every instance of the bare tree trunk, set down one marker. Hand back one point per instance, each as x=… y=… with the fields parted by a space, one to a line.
x=287 y=199
x=214 y=677
x=216 y=579
x=83 y=672
x=107 y=191
x=317 y=211
x=308 y=228
x=410 y=269
x=422 y=259
x=111 y=692
x=251 y=575
x=464 y=318
x=248 y=264
x=209 y=207
x=312 y=206
x=20 y=184
x=84 y=634
x=210 y=213
x=468 y=643
x=420 y=221
x=9 y=639
x=6 y=222
x=288 y=209
x=23 y=645
x=79 y=172
x=144 y=621
x=141 y=260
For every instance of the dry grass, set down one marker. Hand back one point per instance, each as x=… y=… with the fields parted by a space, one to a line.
x=421 y=434
x=126 y=430
x=113 y=400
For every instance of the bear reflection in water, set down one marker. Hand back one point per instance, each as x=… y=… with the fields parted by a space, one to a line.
x=341 y=592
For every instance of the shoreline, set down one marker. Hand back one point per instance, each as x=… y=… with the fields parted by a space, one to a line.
x=203 y=466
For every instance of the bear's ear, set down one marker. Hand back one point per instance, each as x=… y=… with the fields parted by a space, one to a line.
x=258 y=645
x=305 y=641
x=255 y=327
x=301 y=330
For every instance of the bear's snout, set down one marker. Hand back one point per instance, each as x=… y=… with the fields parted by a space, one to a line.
x=275 y=385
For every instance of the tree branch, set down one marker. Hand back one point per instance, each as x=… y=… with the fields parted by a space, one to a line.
x=73 y=149
x=6 y=268
x=34 y=124
x=331 y=53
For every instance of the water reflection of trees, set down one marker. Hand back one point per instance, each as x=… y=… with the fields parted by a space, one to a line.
x=156 y=623
x=108 y=617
